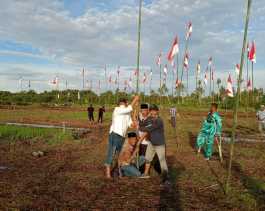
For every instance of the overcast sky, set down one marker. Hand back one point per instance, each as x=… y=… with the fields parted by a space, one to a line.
x=41 y=39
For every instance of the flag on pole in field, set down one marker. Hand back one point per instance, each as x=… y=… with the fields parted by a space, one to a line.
x=229 y=88
x=205 y=79
x=158 y=59
x=237 y=69
x=144 y=78
x=210 y=61
x=173 y=51
x=198 y=67
x=165 y=70
x=189 y=30
x=136 y=72
x=249 y=85
x=186 y=61
x=178 y=82
x=252 y=53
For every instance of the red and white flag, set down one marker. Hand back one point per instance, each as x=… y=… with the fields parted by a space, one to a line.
x=237 y=69
x=136 y=72
x=178 y=82
x=252 y=53
x=249 y=85
x=189 y=30
x=229 y=88
x=205 y=79
x=210 y=61
x=173 y=51
x=165 y=70
x=158 y=59
x=198 y=67
x=186 y=61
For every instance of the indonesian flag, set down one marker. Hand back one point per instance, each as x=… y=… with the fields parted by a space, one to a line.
x=249 y=85
x=165 y=69
x=135 y=72
x=178 y=82
x=189 y=30
x=174 y=50
x=145 y=78
x=55 y=81
x=252 y=53
x=158 y=60
x=205 y=79
x=237 y=69
x=229 y=88
x=210 y=61
x=186 y=61
x=198 y=67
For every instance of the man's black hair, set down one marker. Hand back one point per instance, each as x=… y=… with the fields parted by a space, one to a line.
x=144 y=106
x=132 y=135
x=153 y=108
x=215 y=105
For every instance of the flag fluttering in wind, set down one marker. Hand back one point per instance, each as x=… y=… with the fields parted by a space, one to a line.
x=198 y=68
x=252 y=53
x=210 y=61
x=158 y=59
x=165 y=70
x=237 y=69
x=186 y=61
x=173 y=51
x=229 y=88
x=136 y=72
x=189 y=30
x=178 y=82
x=249 y=85
x=205 y=79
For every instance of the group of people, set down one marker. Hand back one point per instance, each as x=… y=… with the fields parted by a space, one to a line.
x=90 y=113
x=136 y=150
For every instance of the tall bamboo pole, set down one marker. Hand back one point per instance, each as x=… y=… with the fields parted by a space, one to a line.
x=160 y=84
x=139 y=45
x=236 y=103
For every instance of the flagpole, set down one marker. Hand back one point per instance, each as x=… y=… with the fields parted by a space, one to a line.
x=139 y=45
x=178 y=71
x=160 y=89
x=252 y=72
x=236 y=103
x=210 y=93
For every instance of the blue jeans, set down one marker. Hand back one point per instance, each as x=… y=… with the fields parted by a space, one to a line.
x=115 y=144
x=131 y=170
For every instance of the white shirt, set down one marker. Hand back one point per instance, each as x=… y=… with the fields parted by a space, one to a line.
x=121 y=120
x=145 y=141
x=261 y=116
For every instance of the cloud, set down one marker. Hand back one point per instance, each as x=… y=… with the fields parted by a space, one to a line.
x=106 y=33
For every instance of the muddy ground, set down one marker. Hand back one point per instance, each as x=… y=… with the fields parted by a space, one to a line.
x=70 y=176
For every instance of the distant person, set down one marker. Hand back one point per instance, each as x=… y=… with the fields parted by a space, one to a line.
x=127 y=157
x=90 y=111
x=211 y=129
x=157 y=144
x=173 y=115
x=101 y=111
x=121 y=121
x=261 y=119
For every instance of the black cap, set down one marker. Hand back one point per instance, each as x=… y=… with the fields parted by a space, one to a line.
x=132 y=135
x=153 y=108
x=144 y=106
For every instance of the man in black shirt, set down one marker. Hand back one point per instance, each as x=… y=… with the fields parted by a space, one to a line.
x=90 y=111
x=101 y=111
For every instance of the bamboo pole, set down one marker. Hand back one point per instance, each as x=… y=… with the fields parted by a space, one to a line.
x=139 y=45
x=236 y=103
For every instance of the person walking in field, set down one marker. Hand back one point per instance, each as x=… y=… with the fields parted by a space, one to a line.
x=121 y=121
x=90 y=112
x=101 y=111
x=211 y=129
x=261 y=119
x=173 y=115
x=157 y=145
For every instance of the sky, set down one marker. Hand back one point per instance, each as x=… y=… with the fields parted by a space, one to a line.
x=42 y=39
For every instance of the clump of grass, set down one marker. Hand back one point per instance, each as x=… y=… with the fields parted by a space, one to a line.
x=15 y=133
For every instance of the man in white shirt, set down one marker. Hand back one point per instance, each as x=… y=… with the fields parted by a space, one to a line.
x=261 y=119
x=121 y=121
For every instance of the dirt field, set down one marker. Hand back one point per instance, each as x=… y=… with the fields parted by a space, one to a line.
x=70 y=174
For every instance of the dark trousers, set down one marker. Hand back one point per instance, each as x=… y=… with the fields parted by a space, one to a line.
x=91 y=117
x=100 y=118
x=115 y=144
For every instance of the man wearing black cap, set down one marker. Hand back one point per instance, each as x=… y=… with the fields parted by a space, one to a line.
x=142 y=123
x=121 y=121
x=157 y=145
x=127 y=156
